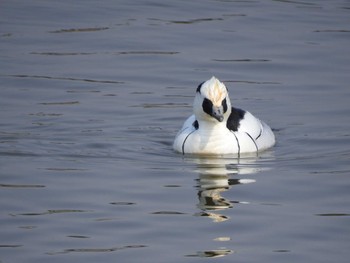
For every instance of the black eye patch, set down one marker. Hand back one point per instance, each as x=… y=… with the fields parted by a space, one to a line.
x=207 y=106
x=224 y=105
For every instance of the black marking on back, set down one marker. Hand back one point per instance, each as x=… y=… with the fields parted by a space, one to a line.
x=207 y=106
x=235 y=117
x=195 y=124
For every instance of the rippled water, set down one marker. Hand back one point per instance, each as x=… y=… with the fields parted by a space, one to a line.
x=92 y=94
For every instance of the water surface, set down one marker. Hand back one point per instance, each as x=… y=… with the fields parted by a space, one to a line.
x=93 y=93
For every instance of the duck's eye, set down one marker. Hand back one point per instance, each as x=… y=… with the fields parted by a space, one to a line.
x=224 y=105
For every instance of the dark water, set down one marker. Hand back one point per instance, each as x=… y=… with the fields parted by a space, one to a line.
x=92 y=94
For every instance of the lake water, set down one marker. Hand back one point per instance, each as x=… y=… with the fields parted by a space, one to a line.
x=92 y=94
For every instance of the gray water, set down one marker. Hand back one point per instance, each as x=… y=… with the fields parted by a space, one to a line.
x=92 y=94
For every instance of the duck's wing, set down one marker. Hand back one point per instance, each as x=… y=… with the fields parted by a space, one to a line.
x=242 y=121
x=251 y=125
x=190 y=125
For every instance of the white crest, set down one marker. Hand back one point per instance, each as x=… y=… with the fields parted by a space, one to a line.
x=214 y=90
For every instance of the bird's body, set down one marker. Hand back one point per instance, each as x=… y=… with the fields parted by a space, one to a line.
x=217 y=128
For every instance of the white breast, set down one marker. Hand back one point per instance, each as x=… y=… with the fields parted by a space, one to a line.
x=216 y=141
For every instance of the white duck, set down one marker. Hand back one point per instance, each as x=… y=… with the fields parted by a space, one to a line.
x=217 y=128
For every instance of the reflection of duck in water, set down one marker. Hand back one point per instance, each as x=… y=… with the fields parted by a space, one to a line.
x=209 y=195
x=214 y=178
x=215 y=253
x=218 y=128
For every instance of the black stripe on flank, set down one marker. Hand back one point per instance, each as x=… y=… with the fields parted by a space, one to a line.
x=239 y=147
x=259 y=134
x=256 y=146
x=183 y=144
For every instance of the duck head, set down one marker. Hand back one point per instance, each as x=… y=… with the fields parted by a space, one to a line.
x=212 y=103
